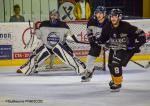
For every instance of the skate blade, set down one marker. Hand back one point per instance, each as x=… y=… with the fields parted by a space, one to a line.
x=115 y=90
x=18 y=71
x=87 y=80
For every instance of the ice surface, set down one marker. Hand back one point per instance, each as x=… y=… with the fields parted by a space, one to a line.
x=63 y=88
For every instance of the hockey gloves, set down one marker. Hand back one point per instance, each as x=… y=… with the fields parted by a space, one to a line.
x=134 y=49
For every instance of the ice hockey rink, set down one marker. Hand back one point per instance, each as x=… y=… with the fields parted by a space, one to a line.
x=63 y=88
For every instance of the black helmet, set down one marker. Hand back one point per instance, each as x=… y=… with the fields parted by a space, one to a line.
x=116 y=12
x=101 y=9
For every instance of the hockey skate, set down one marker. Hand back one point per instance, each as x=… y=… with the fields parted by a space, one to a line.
x=114 y=87
x=18 y=71
x=27 y=70
x=87 y=77
x=29 y=67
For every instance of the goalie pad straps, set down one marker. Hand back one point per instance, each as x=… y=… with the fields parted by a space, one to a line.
x=36 y=59
x=42 y=56
x=68 y=58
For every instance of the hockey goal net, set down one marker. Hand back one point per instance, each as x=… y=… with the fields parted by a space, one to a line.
x=78 y=28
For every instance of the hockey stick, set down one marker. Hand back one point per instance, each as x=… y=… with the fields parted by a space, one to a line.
x=138 y=64
x=70 y=41
x=31 y=38
x=146 y=66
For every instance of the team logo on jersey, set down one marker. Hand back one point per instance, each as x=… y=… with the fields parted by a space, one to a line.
x=52 y=39
x=123 y=35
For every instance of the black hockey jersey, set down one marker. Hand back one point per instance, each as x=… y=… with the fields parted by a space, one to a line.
x=125 y=35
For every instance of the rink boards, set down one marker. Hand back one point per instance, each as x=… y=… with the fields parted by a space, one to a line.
x=14 y=36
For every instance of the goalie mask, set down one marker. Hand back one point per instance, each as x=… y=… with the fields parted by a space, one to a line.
x=53 y=16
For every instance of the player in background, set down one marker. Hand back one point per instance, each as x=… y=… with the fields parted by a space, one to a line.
x=94 y=27
x=123 y=40
x=53 y=34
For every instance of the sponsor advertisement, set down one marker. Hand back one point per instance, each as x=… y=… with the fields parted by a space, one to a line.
x=14 y=37
x=5 y=52
x=21 y=55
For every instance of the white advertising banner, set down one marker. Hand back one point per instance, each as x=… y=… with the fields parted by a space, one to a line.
x=16 y=35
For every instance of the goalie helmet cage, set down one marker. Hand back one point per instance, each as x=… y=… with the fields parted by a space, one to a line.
x=78 y=28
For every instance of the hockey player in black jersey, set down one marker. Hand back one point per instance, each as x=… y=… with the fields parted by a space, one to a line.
x=53 y=34
x=94 y=27
x=123 y=40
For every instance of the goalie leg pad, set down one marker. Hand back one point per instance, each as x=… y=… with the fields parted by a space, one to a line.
x=38 y=57
x=68 y=58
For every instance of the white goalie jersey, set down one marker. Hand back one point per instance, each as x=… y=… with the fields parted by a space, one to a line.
x=51 y=35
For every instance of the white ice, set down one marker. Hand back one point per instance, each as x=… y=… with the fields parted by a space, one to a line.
x=63 y=88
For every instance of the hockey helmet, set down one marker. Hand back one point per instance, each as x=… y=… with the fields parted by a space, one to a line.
x=100 y=9
x=116 y=12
